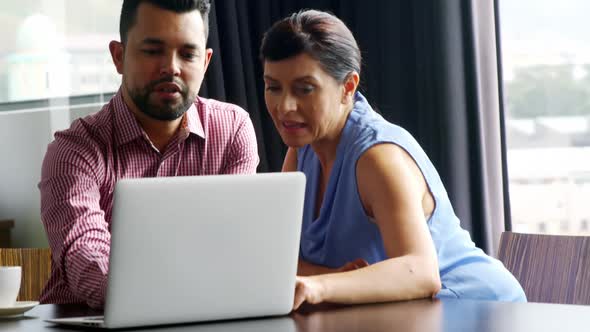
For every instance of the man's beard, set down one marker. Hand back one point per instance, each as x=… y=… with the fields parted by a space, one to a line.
x=167 y=111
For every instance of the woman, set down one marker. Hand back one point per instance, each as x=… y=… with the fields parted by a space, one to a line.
x=378 y=224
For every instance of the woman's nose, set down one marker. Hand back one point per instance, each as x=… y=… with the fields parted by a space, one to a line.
x=287 y=104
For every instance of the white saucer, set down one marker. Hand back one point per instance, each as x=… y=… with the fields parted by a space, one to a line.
x=17 y=309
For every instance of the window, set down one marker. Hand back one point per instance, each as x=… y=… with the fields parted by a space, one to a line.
x=54 y=67
x=584 y=225
x=56 y=49
x=546 y=70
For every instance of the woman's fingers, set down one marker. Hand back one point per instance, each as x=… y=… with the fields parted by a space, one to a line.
x=354 y=265
x=360 y=263
x=299 y=297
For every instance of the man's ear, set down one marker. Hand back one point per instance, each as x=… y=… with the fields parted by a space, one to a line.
x=117 y=54
x=208 y=54
x=349 y=87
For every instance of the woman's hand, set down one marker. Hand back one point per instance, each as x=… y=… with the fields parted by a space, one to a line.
x=307 y=289
x=311 y=289
x=354 y=265
x=308 y=269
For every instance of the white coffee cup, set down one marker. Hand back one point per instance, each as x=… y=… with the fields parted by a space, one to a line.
x=9 y=285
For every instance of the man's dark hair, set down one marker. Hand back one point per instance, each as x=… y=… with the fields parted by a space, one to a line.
x=129 y=12
x=321 y=35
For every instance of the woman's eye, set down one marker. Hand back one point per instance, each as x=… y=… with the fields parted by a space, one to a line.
x=307 y=89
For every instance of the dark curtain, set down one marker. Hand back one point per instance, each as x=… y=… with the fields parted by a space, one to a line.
x=417 y=71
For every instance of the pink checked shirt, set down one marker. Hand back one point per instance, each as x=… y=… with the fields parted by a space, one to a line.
x=84 y=162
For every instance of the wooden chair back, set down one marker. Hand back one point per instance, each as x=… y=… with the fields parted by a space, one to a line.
x=550 y=268
x=36 y=269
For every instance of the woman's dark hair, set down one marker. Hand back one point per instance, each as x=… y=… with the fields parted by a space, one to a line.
x=129 y=12
x=321 y=35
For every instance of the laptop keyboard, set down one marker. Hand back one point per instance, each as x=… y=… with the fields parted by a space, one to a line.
x=101 y=318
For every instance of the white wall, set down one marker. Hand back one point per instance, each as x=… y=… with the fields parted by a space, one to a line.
x=24 y=136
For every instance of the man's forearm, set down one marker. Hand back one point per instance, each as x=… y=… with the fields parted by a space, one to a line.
x=86 y=271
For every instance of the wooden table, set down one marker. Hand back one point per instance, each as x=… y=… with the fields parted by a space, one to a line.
x=412 y=316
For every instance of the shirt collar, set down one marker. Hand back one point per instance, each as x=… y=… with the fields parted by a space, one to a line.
x=193 y=119
x=127 y=128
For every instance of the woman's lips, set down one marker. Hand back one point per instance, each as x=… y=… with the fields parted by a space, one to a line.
x=293 y=126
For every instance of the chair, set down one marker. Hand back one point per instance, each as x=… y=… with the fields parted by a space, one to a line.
x=36 y=268
x=550 y=268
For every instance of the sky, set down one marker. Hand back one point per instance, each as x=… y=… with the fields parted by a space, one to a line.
x=545 y=25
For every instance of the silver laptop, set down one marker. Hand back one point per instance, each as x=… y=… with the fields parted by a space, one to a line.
x=191 y=249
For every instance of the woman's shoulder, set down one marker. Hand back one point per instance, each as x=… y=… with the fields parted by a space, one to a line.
x=367 y=124
x=374 y=129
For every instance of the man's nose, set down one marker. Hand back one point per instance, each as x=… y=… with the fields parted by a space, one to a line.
x=170 y=65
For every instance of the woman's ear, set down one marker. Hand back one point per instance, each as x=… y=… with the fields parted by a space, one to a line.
x=350 y=84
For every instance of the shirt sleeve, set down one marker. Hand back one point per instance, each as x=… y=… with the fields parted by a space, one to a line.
x=75 y=224
x=243 y=156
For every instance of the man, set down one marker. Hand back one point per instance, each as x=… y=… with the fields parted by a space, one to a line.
x=155 y=126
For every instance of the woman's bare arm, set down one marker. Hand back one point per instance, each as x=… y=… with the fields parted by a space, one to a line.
x=392 y=190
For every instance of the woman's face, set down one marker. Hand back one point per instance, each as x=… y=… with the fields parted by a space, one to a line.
x=306 y=104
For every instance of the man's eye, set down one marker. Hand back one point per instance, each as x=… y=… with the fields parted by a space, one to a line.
x=189 y=56
x=151 y=52
x=272 y=88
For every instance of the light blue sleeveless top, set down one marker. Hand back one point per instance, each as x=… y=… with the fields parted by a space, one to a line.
x=343 y=232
